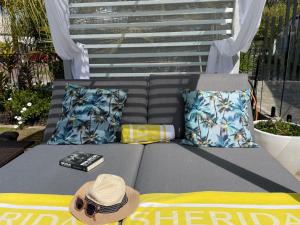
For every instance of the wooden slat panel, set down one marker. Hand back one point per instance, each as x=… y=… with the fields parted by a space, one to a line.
x=153 y=13
x=130 y=65
x=150 y=24
x=150 y=45
x=138 y=74
x=271 y=47
x=296 y=65
x=147 y=55
x=277 y=58
x=144 y=35
x=265 y=49
x=134 y=3
x=147 y=37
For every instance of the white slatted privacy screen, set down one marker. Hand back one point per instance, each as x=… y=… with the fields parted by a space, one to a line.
x=142 y=37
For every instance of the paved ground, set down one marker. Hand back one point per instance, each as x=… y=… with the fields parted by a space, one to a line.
x=269 y=94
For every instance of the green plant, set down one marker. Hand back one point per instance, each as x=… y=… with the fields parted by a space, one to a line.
x=8 y=59
x=276 y=10
x=278 y=127
x=3 y=82
x=28 y=107
x=56 y=67
x=5 y=90
x=26 y=73
x=26 y=20
x=273 y=8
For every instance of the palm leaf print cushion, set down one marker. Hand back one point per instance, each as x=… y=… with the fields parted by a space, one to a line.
x=217 y=119
x=89 y=116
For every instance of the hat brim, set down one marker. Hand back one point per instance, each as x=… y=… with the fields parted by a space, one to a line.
x=104 y=218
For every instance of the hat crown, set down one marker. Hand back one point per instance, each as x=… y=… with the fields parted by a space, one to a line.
x=107 y=190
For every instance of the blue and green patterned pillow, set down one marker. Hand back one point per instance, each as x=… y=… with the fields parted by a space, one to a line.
x=217 y=119
x=89 y=116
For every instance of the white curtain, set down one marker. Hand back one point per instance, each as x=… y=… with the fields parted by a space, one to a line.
x=65 y=47
x=248 y=14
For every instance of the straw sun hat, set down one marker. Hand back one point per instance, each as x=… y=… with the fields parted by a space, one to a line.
x=105 y=200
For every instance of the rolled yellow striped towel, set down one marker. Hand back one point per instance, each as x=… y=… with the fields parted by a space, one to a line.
x=146 y=134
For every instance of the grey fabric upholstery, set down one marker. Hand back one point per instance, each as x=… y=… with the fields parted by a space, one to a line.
x=166 y=105
x=177 y=168
x=157 y=167
x=37 y=170
x=165 y=100
x=223 y=82
x=135 y=110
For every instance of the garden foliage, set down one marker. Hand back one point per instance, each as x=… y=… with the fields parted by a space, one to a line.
x=279 y=128
x=29 y=107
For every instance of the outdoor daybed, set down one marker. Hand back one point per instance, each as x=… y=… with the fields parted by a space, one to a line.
x=151 y=168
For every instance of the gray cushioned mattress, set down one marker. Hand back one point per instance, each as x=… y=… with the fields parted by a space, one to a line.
x=178 y=168
x=37 y=170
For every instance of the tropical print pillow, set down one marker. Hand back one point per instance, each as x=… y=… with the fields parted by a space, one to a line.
x=89 y=116
x=217 y=119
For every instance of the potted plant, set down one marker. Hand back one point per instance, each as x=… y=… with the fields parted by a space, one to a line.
x=282 y=140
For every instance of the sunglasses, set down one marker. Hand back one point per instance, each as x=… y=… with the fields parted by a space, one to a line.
x=91 y=208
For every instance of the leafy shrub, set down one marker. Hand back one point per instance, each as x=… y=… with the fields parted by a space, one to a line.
x=29 y=106
x=3 y=82
x=278 y=127
x=3 y=98
x=273 y=8
x=5 y=90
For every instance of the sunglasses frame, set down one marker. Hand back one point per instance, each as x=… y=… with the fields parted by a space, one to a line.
x=84 y=207
x=98 y=208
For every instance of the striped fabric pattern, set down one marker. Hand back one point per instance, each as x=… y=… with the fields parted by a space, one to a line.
x=108 y=209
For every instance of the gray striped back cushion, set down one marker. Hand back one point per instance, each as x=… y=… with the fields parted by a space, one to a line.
x=166 y=105
x=135 y=110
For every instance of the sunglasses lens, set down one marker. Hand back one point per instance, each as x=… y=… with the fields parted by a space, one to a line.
x=90 y=210
x=79 y=203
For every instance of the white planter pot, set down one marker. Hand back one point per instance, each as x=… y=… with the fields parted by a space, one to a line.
x=284 y=148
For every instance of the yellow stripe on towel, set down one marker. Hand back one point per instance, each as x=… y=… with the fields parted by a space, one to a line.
x=146 y=134
x=217 y=208
x=36 y=209
x=205 y=208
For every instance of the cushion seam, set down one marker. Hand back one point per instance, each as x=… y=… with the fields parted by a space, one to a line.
x=140 y=163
